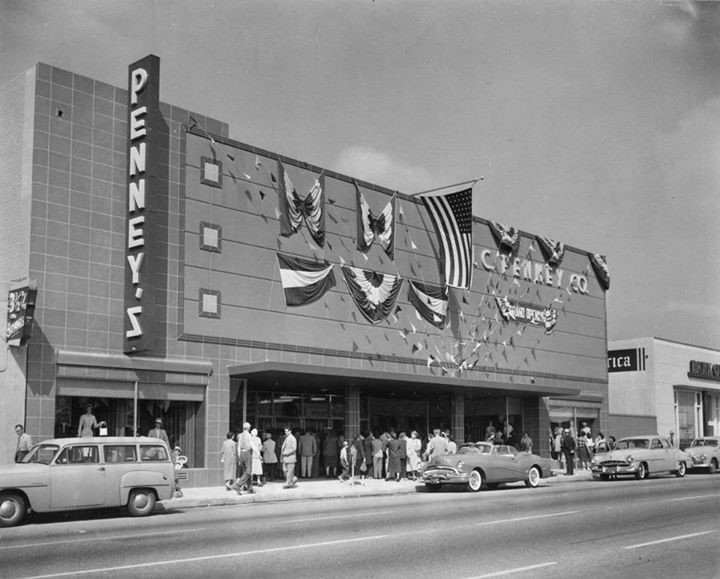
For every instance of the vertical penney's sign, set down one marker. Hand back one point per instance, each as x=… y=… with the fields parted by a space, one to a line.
x=143 y=119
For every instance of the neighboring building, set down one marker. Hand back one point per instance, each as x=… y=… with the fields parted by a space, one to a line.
x=662 y=386
x=153 y=240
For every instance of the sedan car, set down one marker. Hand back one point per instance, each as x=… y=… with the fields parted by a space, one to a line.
x=704 y=453
x=67 y=474
x=485 y=465
x=640 y=456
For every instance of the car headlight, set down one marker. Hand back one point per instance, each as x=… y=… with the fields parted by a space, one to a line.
x=702 y=458
x=460 y=465
x=629 y=459
x=593 y=461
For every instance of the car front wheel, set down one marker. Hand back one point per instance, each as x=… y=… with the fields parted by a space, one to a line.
x=681 y=470
x=533 y=479
x=475 y=482
x=641 y=471
x=12 y=509
x=712 y=469
x=141 y=502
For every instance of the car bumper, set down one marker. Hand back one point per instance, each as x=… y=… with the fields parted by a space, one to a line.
x=614 y=469
x=697 y=463
x=436 y=476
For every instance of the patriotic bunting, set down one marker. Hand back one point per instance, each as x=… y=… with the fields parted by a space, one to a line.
x=293 y=209
x=431 y=302
x=553 y=251
x=369 y=227
x=451 y=214
x=373 y=293
x=507 y=238
x=304 y=281
x=599 y=265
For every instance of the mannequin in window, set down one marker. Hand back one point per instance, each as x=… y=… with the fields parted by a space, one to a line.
x=87 y=423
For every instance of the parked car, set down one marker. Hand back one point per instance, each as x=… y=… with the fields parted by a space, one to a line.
x=484 y=465
x=640 y=456
x=67 y=474
x=704 y=453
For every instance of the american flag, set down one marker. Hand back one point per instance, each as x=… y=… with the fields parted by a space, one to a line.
x=451 y=214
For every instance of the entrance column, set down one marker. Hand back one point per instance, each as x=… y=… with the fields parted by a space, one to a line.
x=457 y=419
x=352 y=411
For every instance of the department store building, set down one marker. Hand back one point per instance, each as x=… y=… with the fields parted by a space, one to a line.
x=663 y=386
x=168 y=285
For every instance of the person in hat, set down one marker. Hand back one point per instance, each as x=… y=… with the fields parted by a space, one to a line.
x=87 y=422
x=567 y=444
x=159 y=432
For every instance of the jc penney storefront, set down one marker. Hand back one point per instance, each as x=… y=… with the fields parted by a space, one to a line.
x=184 y=275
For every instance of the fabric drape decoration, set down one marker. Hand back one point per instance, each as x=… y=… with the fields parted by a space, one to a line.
x=370 y=227
x=293 y=209
x=304 y=281
x=451 y=214
x=507 y=238
x=374 y=293
x=553 y=251
x=599 y=265
x=430 y=301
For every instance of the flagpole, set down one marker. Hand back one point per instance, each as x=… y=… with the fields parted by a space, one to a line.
x=473 y=181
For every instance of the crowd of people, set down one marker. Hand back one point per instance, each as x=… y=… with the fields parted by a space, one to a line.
x=251 y=459
x=577 y=450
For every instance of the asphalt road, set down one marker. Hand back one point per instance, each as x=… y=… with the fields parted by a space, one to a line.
x=662 y=527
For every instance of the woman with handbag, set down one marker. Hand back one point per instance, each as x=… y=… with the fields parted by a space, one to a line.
x=228 y=458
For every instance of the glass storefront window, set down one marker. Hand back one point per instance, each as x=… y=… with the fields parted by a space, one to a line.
x=181 y=420
x=688 y=416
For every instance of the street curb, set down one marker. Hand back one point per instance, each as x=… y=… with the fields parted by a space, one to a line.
x=329 y=491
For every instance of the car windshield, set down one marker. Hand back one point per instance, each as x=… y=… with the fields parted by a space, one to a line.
x=473 y=449
x=632 y=443
x=42 y=453
x=704 y=442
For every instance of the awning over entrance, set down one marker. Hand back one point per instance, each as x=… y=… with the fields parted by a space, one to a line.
x=273 y=375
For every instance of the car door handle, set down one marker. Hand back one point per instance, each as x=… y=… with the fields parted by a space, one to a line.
x=102 y=468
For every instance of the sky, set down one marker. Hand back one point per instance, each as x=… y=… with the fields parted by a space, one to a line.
x=595 y=123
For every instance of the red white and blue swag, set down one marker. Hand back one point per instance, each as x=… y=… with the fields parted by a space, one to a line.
x=507 y=238
x=600 y=267
x=374 y=293
x=430 y=301
x=553 y=251
x=304 y=281
x=451 y=214
x=293 y=209
x=370 y=227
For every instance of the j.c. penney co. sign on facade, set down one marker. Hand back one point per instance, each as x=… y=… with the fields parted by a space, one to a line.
x=143 y=116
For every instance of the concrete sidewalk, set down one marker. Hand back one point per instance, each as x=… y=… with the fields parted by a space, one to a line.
x=320 y=489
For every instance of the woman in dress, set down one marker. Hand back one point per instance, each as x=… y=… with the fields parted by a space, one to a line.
x=257 y=467
x=394 y=452
x=228 y=457
x=413 y=455
x=583 y=452
x=87 y=423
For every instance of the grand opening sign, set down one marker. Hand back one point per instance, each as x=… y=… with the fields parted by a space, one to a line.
x=143 y=119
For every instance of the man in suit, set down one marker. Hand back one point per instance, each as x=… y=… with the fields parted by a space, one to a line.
x=308 y=449
x=567 y=444
x=289 y=448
